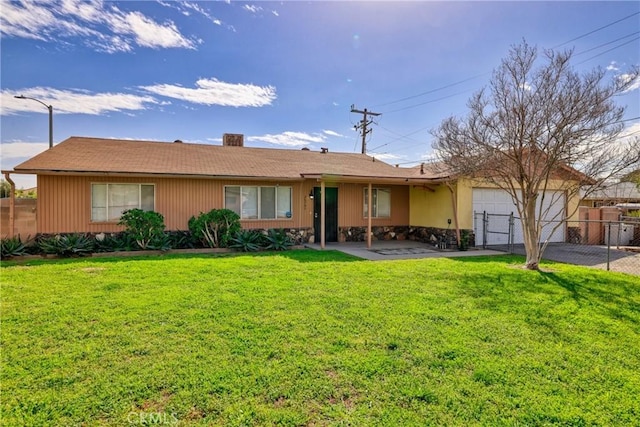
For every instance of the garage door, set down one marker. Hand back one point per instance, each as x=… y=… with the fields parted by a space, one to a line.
x=498 y=203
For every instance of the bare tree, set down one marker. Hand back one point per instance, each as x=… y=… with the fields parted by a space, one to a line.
x=540 y=128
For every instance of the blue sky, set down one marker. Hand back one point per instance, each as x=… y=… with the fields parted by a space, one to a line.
x=284 y=74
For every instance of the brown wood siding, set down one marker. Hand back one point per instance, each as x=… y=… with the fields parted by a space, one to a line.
x=64 y=202
x=351 y=209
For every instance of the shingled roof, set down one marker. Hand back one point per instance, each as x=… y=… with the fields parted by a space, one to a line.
x=80 y=155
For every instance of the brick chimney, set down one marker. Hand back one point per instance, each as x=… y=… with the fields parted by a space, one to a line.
x=233 y=140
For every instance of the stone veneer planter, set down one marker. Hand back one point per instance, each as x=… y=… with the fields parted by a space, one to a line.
x=429 y=235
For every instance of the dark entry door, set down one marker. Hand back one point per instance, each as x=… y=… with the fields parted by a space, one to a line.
x=331 y=214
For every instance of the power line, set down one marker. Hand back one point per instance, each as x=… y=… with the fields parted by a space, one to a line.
x=606 y=44
x=596 y=30
x=396 y=139
x=483 y=74
x=431 y=91
x=462 y=81
x=608 y=50
x=428 y=102
x=627 y=120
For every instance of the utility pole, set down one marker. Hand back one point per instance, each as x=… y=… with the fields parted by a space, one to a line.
x=363 y=125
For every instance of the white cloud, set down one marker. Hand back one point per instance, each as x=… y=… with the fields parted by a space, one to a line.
x=629 y=79
x=146 y=32
x=187 y=7
x=195 y=7
x=430 y=157
x=72 y=101
x=252 y=8
x=13 y=153
x=613 y=66
x=275 y=13
x=214 y=92
x=102 y=26
x=630 y=131
x=289 y=139
x=26 y=21
x=89 y=12
x=332 y=133
x=111 y=44
x=526 y=86
x=21 y=150
x=386 y=157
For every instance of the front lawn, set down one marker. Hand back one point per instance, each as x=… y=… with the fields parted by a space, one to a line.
x=317 y=338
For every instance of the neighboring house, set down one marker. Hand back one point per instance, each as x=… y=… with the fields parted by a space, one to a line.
x=612 y=195
x=84 y=185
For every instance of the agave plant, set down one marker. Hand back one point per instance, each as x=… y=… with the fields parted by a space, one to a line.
x=278 y=240
x=247 y=241
x=11 y=247
x=67 y=245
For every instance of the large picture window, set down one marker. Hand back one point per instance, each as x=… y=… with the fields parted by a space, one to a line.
x=259 y=202
x=109 y=201
x=381 y=202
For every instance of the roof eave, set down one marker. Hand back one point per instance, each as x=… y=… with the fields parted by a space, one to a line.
x=400 y=180
x=151 y=175
x=406 y=180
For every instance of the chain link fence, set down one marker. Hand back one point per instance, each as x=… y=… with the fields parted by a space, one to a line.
x=608 y=245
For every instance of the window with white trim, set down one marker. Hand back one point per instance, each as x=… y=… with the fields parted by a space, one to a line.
x=381 y=202
x=109 y=201
x=259 y=202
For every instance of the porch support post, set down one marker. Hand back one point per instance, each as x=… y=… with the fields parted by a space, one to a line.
x=12 y=204
x=455 y=210
x=369 y=210
x=322 y=215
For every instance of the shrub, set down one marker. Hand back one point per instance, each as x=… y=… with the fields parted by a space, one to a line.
x=278 y=240
x=215 y=228
x=67 y=245
x=5 y=188
x=465 y=236
x=11 y=247
x=247 y=241
x=146 y=227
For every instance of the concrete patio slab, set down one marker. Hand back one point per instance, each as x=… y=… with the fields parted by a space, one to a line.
x=394 y=249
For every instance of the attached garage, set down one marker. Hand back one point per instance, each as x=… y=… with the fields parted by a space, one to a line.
x=498 y=205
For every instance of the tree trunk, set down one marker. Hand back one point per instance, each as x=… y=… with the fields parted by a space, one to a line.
x=531 y=235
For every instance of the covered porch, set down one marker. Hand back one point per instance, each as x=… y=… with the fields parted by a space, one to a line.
x=348 y=208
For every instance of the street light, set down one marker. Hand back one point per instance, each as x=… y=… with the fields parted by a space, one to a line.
x=50 y=108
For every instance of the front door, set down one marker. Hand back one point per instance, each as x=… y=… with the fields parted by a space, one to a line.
x=331 y=214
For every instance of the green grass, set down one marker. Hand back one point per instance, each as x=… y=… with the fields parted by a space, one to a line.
x=317 y=338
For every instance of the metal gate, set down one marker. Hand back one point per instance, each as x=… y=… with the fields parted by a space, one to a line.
x=494 y=230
